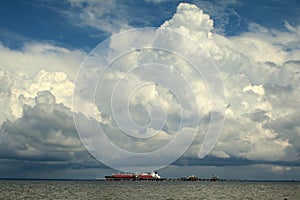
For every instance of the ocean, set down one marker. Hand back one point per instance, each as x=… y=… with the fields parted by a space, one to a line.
x=50 y=189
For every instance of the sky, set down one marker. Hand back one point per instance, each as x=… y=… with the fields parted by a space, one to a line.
x=215 y=79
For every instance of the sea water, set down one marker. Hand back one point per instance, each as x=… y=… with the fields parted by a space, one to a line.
x=42 y=189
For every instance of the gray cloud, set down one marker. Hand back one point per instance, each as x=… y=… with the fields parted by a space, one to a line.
x=44 y=138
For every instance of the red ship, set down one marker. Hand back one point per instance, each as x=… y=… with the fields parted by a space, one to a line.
x=151 y=176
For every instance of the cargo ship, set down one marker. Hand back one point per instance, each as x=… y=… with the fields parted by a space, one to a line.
x=150 y=176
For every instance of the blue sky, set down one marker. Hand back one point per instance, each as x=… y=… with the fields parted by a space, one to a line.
x=23 y=21
x=254 y=44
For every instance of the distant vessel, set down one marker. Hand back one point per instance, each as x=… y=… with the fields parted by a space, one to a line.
x=150 y=176
x=215 y=178
x=195 y=178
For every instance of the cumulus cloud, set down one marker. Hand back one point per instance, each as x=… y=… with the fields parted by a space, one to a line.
x=20 y=91
x=44 y=132
x=280 y=169
x=106 y=16
x=36 y=118
x=259 y=69
x=32 y=57
x=254 y=99
x=253 y=66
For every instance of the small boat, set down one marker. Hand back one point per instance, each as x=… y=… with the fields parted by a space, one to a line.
x=214 y=178
x=191 y=178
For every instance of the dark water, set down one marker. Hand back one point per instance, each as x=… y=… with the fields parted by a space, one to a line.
x=12 y=189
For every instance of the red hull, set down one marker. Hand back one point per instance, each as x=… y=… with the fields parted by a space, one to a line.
x=123 y=176
x=132 y=177
x=145 y=177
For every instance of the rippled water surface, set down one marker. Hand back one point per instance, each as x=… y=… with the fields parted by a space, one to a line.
x=24 y=189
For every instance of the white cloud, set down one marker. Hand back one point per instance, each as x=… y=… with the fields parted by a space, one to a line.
x=23 y=91
x=256 y=67
x=257 y=89
x=35 y=68
x=191 y=21
x=35 y=56
x=252 y=66
x=106 y=16
x=280 y=169
x=260 y=70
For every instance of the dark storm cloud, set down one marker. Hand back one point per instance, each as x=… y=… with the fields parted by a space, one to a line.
x=233 y=161
x=44 y=138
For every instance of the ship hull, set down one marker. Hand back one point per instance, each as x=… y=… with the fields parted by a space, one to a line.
x=153 y=176
x=110 y=178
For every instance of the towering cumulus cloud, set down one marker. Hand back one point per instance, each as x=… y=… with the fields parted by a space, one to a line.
x=260 y=70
